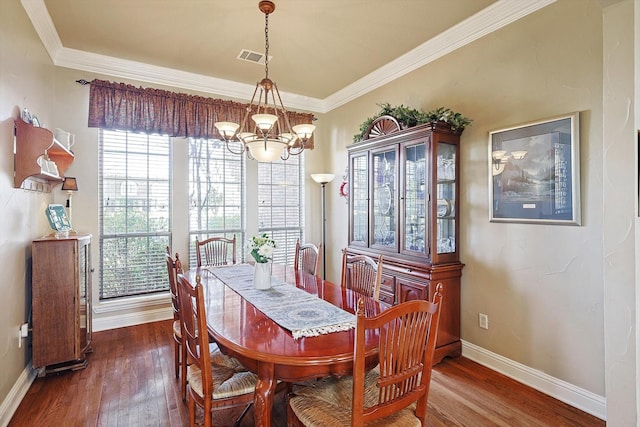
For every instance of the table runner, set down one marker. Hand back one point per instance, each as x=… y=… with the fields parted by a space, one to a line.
x=303 y=314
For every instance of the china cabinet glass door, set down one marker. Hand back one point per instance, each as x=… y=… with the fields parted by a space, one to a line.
x=84 y=267
x=445 y=198
x=359 y=192
x=384 y=219
x=415 y=191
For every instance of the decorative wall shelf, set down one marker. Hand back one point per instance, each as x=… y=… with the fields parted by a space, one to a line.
x=40 y=160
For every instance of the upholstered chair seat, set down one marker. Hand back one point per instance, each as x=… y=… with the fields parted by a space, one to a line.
x=328 y=403
x=229 y=379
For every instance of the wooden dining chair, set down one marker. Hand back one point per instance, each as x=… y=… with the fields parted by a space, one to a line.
x=308 y=257
x=361 y=274
x=174 y=267
x=214 y=381
x=216 y=251
x=393 y=393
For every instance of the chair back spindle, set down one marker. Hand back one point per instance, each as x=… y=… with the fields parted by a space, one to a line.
x=308 y=257
x=362 y=274
x=215 y=251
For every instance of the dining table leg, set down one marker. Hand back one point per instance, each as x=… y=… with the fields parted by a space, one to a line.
x=263 y=398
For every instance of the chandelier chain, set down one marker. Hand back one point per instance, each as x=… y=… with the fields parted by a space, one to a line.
x=271 y=135
x=266 y=45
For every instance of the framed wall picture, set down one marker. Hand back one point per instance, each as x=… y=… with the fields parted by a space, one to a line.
x=534 y=172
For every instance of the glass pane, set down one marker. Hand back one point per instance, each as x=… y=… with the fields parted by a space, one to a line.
x=83 y=264
x=445 y=209
x=384 y=218
x=360 y=199
x=415 y=202
x=216 y=182
x=135 y=224
x=280 y=207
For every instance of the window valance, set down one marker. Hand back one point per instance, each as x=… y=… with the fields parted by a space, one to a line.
x=120 y=106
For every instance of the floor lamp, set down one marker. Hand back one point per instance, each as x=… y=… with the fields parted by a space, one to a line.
x=323 y=179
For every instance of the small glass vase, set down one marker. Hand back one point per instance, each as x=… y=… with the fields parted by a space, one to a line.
x=262 y=275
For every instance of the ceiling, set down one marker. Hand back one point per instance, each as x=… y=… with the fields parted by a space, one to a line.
x=322 y=53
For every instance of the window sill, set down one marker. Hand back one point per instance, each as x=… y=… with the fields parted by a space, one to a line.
x=132 y=303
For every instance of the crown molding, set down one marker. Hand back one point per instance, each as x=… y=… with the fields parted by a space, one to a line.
x=116 y=67
x=488 y=20
x=41 y=20
x=492 y=18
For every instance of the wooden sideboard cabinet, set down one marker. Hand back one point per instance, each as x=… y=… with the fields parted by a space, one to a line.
x=403 y=205
x=61 y=302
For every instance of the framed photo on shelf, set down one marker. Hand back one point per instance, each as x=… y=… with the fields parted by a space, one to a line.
x=534 y=172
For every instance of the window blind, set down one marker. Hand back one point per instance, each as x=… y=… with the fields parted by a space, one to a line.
x=280 y=205
x=134 y=216
x=216 y=193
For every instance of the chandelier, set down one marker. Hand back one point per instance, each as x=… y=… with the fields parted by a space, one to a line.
x=270 y=135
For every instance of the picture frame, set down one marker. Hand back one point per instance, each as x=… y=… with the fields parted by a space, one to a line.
x=58 y=219
x=534 y=172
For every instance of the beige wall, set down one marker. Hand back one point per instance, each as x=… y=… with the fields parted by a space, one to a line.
x=542 y=286
x=620 y=208
x=26 y=80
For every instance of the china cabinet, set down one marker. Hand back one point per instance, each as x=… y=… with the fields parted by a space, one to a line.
x=61 y=302
x=403 y=205
x=38 y=155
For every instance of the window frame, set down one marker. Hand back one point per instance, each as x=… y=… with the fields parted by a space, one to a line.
x=153 y=266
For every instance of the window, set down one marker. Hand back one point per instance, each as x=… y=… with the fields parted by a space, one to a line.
x=216 y=193
x=135 y=206
x=280 y=205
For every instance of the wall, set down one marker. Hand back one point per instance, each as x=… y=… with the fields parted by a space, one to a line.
x=620 y=208
x=541 y=285
x=26 y=80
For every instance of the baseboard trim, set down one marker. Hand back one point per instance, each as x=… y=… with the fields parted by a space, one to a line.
x=117 y=320
x=577 y=397
x=16 y=394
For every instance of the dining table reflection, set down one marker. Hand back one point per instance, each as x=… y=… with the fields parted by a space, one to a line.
x=270 y=350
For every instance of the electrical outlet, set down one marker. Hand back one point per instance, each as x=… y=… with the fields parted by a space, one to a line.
x=483 y=321
x=23 y=332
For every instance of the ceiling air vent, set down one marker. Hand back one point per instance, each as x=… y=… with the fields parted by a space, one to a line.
x=251 y=56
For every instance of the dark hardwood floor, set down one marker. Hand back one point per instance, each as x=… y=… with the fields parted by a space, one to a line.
x=130 y=382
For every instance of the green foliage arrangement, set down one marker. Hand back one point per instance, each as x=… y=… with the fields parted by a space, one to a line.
x=261 y=248
x=409 y=117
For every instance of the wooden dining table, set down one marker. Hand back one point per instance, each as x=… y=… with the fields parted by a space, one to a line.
x=269 y=350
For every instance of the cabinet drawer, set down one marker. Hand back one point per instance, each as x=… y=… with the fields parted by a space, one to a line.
x=388 y=284
x=387 y=297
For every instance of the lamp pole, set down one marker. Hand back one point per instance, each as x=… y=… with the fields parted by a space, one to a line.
x=323 y=179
